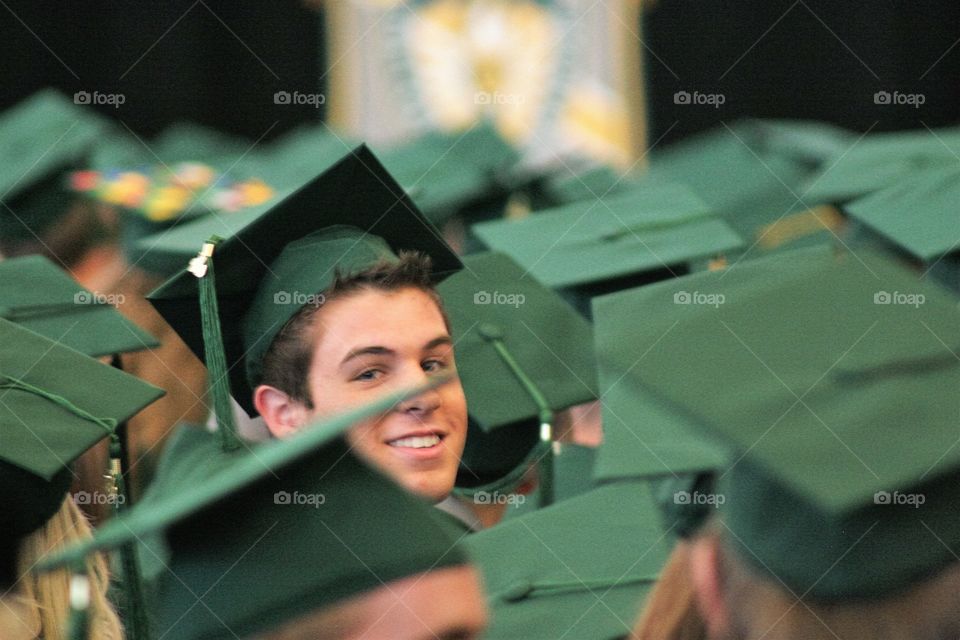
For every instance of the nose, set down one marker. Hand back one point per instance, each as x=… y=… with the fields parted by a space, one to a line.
x=423 y=404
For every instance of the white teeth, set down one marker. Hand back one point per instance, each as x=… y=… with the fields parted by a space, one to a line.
x=417 y=442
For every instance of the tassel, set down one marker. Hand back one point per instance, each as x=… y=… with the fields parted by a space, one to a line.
x=216 y=360
x=492 y=334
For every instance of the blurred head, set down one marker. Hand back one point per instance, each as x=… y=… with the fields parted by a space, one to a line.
x=369 y=335
x=737 y=602
x=443 y=604
x=670 y=611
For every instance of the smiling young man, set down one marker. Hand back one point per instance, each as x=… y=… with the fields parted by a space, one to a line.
x=326 y=302
x=380 y=330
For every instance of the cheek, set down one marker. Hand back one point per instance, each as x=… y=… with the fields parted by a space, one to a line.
x=363 y=436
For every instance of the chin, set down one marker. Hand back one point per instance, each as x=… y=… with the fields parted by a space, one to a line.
x=433 y=487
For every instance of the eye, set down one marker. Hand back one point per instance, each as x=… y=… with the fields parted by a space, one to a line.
x=434 y=365
x=368 y=374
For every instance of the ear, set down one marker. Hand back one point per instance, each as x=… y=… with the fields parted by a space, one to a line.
x=707 y=578
x=282 y=414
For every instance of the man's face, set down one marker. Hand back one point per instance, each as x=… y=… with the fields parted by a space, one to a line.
x=373 y=343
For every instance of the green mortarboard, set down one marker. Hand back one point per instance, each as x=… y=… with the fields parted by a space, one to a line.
x=42 y=138
x=578 y=569
x=445 y=172
x=272 y=533
x=55 y=403
x=846 y=479
x=876 y=160
x=522 y=354
x=653 y=227
x=917 y=213
x=296 y=157
x=643 y=436
x=180 y=142
x=40 y=296
x=751 y=173
x=572 y=187
x=347 y=218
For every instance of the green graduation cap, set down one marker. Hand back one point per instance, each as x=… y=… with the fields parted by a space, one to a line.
x=42 y=138
x=845 y=477
x=879 y=159
x=569 y=186
x=448 y=172
x=349 y=217
x=578 y=569
x=38 y=295
x=643 y=436
x=298 y=155
x=752 y=174
x=55 y=403
x=522 y=354
x=271 y=533
x=916 y=213
x=606 y=241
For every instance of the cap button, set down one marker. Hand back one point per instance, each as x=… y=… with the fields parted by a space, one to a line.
x=490 y=331
x=517 y=591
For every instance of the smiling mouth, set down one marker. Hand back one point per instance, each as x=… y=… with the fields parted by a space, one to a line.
x=417 y=442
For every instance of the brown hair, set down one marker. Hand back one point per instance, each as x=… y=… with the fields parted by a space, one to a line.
x=760 y=607
x=286 y=364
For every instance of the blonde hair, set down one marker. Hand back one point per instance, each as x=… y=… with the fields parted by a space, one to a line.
x=670 y=611
x=42 y=601
x=760 y=607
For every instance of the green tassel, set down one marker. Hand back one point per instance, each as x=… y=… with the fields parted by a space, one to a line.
x=216 y=360
x=136 y=619
x=492 y=334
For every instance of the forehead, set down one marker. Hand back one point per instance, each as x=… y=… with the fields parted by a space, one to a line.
x=375 y=317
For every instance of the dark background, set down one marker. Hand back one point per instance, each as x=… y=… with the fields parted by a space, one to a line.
x=219 y=63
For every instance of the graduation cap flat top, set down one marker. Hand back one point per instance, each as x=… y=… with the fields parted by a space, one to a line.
x=272 y=533
x=261 y=283
x=876 y=160
x=40 y=433
x=445 y=171
x=38 y=295
x=43 y=135
x=631 y=232
x=643 y=436
x=917 y=213
x=550 y=342
x=545 y=571
x=836 y=375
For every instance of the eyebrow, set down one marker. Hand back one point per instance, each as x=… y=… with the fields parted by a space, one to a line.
x=384 y=351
